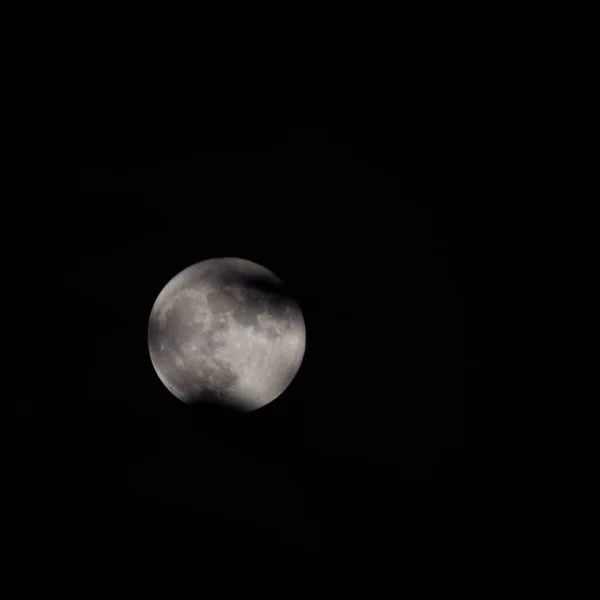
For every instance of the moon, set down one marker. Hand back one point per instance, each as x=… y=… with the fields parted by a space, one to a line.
x=225 y=330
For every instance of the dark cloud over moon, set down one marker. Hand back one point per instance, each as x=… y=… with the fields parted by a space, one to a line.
x=225 y=330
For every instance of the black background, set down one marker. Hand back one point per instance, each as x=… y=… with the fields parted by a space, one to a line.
x=364 y=455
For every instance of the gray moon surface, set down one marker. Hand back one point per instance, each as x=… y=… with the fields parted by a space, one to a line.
x=225 y=331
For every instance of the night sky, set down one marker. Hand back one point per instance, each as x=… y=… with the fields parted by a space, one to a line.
x=364 y=454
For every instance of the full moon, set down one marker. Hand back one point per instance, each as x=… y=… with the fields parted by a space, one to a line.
x=224 y=330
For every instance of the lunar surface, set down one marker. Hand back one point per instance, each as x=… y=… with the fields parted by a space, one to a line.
x=224 y=330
